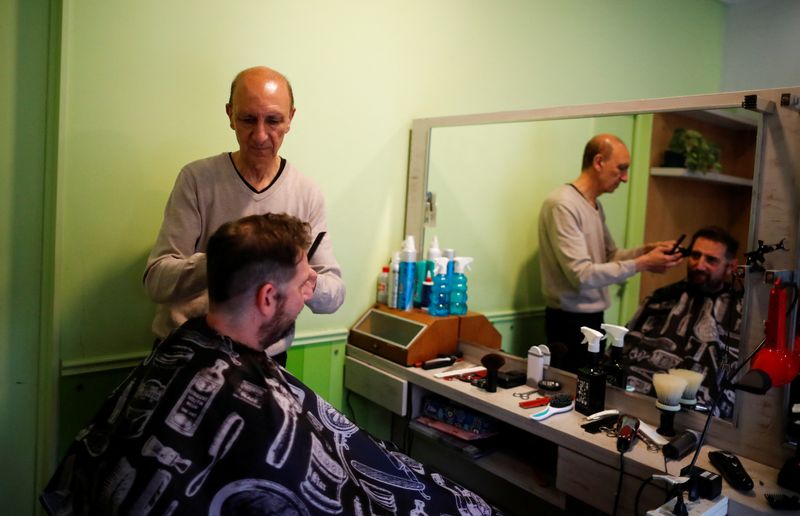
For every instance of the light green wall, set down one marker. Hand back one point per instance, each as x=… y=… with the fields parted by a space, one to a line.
x=143 y=87
x=25 y=243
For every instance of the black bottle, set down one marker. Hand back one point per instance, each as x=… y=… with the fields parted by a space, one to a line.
x=614 y=365
x=590 y=389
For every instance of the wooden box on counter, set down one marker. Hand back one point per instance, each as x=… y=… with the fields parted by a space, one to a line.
x=412 y=337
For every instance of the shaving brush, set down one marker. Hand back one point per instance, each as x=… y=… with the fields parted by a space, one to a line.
x=693 y=381
x=669 y=389
x=492 y=362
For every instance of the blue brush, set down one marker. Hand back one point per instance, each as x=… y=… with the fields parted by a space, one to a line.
x=558 y=403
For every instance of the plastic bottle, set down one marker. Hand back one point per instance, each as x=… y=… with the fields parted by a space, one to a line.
x=458 y=287
x=614 y=366
x=434 y=252
x=590 y=388
x=425 y=270
x=450 y=254
x=394 y=279
x=419 y=282
x=407 y=275
x=427 y=286
x=440 y=292
x=382 y=288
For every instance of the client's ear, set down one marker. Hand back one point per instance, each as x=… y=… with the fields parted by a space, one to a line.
x=266 y=298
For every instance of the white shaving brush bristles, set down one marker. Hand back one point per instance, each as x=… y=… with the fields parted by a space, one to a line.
x=669 y=389
x=693 y=381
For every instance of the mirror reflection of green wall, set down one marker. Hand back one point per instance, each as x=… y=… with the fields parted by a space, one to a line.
x=490 y=181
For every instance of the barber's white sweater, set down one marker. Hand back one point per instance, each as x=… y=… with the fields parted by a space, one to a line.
x=207 y=194
x=578 y=256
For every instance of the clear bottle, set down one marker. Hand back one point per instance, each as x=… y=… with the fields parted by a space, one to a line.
x=394 y=280
x=382 y=288
x=439 y=305
x=458 y=286
x=590 y=388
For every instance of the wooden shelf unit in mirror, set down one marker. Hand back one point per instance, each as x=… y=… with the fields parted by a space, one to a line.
x=683 y=201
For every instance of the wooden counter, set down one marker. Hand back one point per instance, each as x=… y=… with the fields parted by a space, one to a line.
x=588 y=464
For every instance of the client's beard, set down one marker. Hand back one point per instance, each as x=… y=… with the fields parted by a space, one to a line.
x=700 y=282
x=279 y=327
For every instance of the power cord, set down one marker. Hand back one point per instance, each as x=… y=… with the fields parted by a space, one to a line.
x=619 y=482
x=639 y=495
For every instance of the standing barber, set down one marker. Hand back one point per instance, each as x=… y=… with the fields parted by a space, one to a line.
x=579 y=258
x=252 y=180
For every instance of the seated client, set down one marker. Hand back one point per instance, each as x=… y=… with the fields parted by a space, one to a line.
x=209 y=424
x=692 y=324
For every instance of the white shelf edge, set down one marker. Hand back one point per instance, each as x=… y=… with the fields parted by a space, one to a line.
x=709 y=177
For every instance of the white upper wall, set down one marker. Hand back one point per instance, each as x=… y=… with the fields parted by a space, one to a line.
x=762 y=44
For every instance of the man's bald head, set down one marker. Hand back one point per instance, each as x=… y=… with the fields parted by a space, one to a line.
x=264 y=74
x=602 y=144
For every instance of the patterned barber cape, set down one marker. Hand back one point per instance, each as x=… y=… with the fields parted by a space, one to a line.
x=678 y=327
x=208 y=426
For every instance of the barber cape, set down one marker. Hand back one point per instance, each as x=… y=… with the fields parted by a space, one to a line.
x=208 y=426
x=678 y=327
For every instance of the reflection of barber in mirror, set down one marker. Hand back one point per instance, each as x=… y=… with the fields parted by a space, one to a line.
x=579 y=258
x=692 y=324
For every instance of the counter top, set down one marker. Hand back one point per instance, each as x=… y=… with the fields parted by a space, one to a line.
x=564 y=429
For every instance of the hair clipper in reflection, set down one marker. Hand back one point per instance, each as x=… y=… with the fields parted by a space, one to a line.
x=590 y=388
x=187 y=414
x=669 y=389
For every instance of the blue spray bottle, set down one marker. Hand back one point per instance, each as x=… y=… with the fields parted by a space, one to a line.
x=458 y=287
x=407 y=275
x=440 y=292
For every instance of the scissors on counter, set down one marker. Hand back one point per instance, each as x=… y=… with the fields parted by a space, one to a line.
x=525 y=395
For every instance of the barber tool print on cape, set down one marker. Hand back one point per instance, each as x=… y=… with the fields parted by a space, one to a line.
x=159 y=375
x=324 y=480
x=226 y=435
x=282 y=444
x=165 y=455
x=466 y=501
x=193 y=404
x=225 y=345
x=152 y=493
x=256 y=496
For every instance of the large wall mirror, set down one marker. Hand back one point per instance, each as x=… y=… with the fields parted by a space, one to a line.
x=488 y=175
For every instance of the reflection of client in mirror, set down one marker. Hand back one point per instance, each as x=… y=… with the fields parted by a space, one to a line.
x=692 y=324
x=579 y=258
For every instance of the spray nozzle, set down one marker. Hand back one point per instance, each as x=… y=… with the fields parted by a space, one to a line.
x=434 y=251
x=616 y=334
x=409 y=253
x=440 y=265
x=462 y=264
x=592 y=337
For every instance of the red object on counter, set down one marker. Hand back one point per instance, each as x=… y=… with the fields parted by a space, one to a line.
x=779 y=363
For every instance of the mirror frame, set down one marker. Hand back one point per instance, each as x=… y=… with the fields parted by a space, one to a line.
x=774 y=215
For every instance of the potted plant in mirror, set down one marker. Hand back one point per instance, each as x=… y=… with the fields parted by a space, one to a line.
x=689 y=149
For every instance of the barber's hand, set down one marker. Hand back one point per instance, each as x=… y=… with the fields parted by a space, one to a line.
x=658 y=258
x=654 y=245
